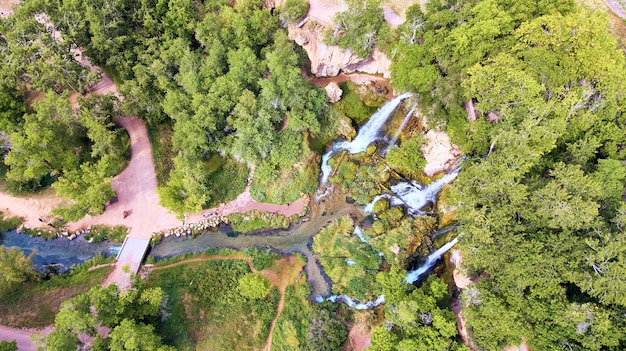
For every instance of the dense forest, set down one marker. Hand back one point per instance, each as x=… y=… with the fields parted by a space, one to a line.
x=540 y=196
x=538 y=202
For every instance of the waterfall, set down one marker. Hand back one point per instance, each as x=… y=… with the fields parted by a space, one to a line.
x=367 y=134
x=415 y=197
x=430 y=261
x=402 y=125
x=325 y=166
x=410 y=278
x=356 y=304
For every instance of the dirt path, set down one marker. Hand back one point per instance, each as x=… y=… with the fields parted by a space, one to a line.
x=22 y=336
x=616 y=7
x=282 y=273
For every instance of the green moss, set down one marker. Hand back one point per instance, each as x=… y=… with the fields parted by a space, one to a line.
x=255 y=220
x=352 y=105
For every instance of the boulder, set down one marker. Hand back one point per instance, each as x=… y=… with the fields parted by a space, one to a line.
x=330 y=60
x=334 y=92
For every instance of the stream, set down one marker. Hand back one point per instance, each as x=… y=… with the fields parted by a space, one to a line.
x=58 y=254
x=329 y=206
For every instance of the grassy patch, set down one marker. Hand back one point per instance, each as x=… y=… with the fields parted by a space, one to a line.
x=35 y=304
x=227 y=179
x=290 y=184
x=9 y=223
x=162 y=151
x=255 y=220
x=206 y=310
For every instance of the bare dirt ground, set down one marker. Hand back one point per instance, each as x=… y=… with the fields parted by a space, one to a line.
x=359 y=337
x=439 y=152
x=6 y=7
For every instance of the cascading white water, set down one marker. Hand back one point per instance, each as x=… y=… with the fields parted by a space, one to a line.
x=410 y=278
x=367 y=134
x=415 y=197
x=402 y=125
x=430 y=261
x=369 y=208
x=356 y=304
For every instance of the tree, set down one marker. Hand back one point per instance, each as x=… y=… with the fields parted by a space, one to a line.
x=359 y=28
x=253 y=286
x=293 y=10
x=89 y=187
x=15 y=268
x=132 y=336
x=124 y=313
x=408 y=157
x=36 y=151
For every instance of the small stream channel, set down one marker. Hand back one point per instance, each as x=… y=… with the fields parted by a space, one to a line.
x=57 y=254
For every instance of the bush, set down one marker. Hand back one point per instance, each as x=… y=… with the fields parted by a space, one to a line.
x=9 y=223
x=293 y=10
x=100 y=233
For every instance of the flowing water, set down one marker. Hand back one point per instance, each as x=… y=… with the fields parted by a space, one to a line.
x=402 y=125
x=411 y=278
x=367 y=134
x=58 y=253
x=296 y=239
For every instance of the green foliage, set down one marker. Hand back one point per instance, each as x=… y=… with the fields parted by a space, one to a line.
x=360 y=28
x=352 y=105
x=416 y=317
x=207 y=310
x=99 y=233
x=326 y=331
x=278 y=181
x=9 y=223
x=293 y=10
x=261 y=259
x=89 y=187
x=253 y=286
x=408 y=157
x=254 y=220
x=15 y=268
x=125 y=313
x=335 y=245
x=8 y=345
x=538 y=196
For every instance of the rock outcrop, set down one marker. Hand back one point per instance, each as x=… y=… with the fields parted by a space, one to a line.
x=330 y=60
x=334 y=92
